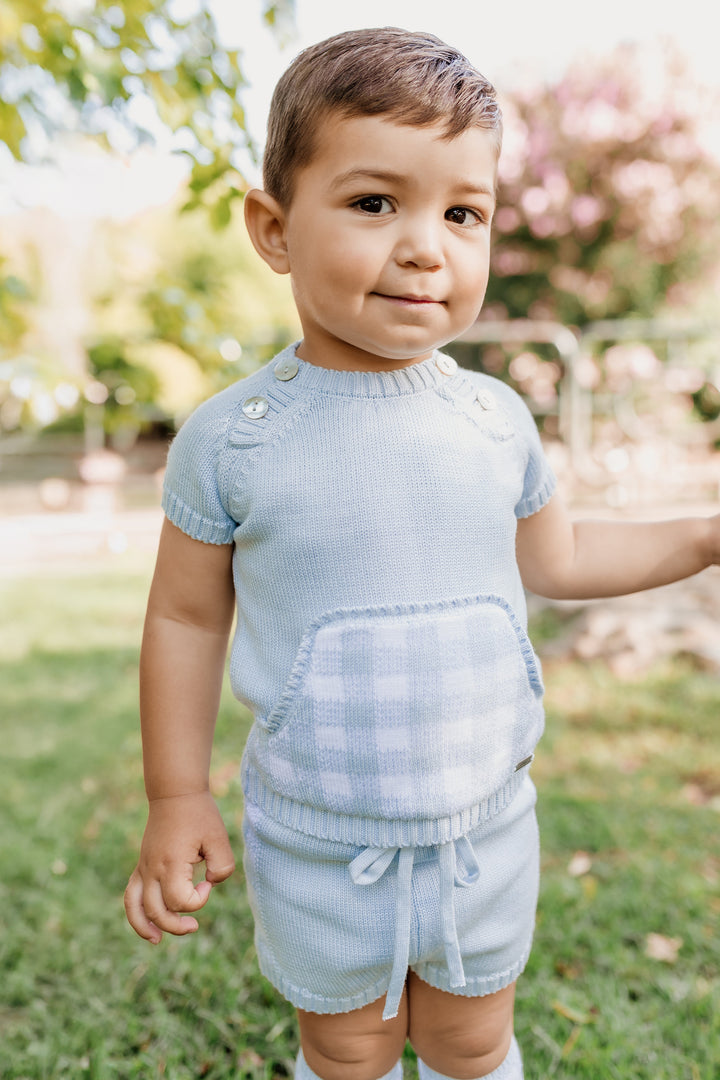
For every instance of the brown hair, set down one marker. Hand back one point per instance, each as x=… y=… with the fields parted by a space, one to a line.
x=413 y=78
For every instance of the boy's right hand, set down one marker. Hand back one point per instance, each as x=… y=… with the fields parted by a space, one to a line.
x=181 y=832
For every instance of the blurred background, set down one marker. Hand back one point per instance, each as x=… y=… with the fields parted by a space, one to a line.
x=129 y=293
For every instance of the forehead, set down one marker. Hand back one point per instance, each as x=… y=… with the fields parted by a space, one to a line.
x=348 y=149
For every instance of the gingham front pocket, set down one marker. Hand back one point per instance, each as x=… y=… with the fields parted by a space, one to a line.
x=412 y=711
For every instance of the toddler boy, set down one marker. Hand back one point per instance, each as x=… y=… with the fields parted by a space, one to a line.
x=371 y=512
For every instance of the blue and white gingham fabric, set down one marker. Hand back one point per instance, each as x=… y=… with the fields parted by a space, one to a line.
x=423 y=711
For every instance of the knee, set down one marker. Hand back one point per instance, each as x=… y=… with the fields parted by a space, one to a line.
x=358 y=1045
x=464 y=1037
x=462 y=1053
x=352 y=1057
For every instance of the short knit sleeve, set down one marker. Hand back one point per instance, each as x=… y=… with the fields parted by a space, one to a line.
x=539 y=481
x=192 y=498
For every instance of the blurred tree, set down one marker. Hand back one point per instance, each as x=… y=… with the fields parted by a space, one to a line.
x=167 y=292
x=93 y=65
x=170 y=320
x=207 y=301
x=119 y=73
x=14 y=296
x=608 y=205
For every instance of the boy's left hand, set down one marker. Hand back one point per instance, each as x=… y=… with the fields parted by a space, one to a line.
x=579 y=560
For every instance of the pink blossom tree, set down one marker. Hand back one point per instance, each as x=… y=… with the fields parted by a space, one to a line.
x=609 y=203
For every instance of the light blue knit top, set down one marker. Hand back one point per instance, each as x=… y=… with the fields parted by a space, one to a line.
x=381 y=625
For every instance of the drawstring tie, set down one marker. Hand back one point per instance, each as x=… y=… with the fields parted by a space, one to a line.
x=370 y=865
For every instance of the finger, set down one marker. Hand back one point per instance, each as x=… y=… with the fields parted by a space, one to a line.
x=203 y=889
x=179 y=894
x=164 y=916
x=219 y=859
x=135 y=911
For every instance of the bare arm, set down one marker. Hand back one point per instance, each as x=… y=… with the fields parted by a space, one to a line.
x=184 y=647
x=181 y=669
x=567 y=560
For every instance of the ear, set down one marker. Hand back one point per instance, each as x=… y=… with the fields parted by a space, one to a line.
x=266 y=225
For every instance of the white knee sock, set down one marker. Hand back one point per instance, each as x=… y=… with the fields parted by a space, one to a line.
x=304 y=1072
x=510 y=1069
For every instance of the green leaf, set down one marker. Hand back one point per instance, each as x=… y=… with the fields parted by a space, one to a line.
x=12 y=128
x=221 y=213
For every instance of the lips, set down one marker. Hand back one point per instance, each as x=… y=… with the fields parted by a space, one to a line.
x=409 y=299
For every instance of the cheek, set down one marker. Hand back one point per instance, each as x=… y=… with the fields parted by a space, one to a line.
x=327 y=287
x=476 y=272
x=471 y=285
x=347 y=269
x=324 y=256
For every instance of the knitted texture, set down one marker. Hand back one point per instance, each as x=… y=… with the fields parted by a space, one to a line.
x=389 y=709
x=336 y=927
x=381 y=633
x=510 y=1069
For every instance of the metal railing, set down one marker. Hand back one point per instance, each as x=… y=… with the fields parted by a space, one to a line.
x=575 y=401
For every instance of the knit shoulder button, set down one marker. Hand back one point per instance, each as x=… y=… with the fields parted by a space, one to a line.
x=445 y=364
x=286 y=369
x=255 y=407
x=486 y=400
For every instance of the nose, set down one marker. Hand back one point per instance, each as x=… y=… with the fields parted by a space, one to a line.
x=420 y=243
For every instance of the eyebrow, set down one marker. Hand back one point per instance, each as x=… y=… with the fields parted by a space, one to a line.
x=387 y=176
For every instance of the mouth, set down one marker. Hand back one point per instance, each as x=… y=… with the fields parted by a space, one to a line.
x=409 y=299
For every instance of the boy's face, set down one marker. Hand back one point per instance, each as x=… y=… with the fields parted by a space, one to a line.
x=388 y=240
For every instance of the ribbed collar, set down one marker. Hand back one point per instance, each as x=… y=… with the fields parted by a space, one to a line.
x=424 y=375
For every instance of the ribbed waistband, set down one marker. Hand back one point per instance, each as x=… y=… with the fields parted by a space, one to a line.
x=373 y=832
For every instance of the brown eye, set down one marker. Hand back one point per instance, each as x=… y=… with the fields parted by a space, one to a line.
x=462 y=215
x=373 y=204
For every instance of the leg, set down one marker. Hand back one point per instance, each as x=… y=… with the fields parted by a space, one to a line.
x=461 y=1037
x=357 y=1045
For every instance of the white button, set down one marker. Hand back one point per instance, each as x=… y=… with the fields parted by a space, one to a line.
x=485 y=399
x=255 y=407
x=446 y=364
x=286 y=369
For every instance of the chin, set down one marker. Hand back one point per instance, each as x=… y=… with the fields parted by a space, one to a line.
x=407 y=352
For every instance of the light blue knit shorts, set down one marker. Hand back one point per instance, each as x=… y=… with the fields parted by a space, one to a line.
x=337 y=926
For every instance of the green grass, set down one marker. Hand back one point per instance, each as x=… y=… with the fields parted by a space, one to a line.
x=628 y=773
